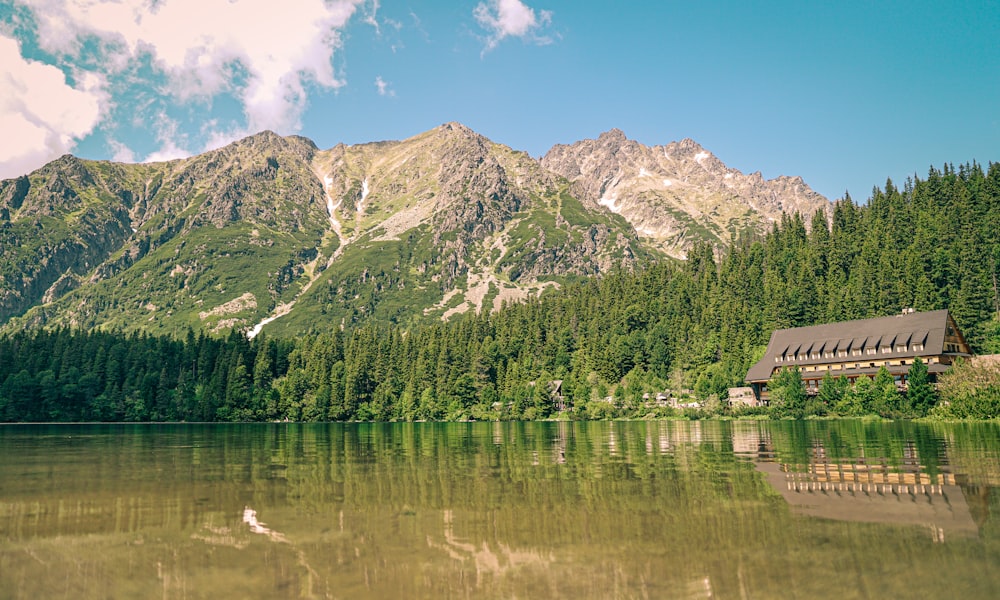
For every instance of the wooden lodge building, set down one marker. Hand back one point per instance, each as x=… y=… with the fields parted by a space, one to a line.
x=860 y=348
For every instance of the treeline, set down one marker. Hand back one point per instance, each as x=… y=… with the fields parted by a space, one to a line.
x=599 y=346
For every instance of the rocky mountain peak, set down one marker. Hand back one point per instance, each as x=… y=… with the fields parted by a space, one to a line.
x=270 y=143
x=456 y=130
x=614 y=135
x=678 y=193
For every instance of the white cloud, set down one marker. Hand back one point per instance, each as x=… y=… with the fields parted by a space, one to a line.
x=383 y=87
x=120 y=152
x=41 y=115
x=371 y=18
x=218 y=136
x=511 y=18
x=263 y=54
x=170 y=139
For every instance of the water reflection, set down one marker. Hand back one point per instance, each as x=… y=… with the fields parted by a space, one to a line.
x=482 y=557
x=862 y=486
x=250 y=518
x=650 y=509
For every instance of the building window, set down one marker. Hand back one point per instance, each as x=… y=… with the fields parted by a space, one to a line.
x=856 y=352
x=900 y=348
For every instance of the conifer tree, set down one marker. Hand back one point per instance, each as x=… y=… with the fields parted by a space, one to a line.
x=788 y=394
x=920 y=393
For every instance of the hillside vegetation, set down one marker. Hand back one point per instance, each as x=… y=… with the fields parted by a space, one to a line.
x=272 y=229
x=693 y=325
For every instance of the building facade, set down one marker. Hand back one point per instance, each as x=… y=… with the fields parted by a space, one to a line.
x=860 y=348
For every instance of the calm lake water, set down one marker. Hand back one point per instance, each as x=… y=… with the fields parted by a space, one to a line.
x=508 y=510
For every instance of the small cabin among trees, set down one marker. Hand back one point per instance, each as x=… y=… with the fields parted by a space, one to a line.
x=860 y=348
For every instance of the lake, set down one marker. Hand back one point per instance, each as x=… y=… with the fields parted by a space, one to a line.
x=829 y=509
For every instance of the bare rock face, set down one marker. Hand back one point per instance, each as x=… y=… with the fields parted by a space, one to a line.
x=479 y=219
x=678 y=193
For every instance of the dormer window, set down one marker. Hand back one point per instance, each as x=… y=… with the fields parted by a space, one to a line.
x=777 y=359
x=901 y=348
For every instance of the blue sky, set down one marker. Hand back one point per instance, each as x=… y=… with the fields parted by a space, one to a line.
x=844 y=94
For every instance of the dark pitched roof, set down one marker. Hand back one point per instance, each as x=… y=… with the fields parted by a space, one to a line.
x=927 y=328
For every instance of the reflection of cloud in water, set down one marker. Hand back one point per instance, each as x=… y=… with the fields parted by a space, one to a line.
x=219 y=536
x=485 y=559
x=250 y=518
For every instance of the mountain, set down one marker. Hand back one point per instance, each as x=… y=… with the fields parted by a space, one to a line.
x=272 y=231
x=678 y=193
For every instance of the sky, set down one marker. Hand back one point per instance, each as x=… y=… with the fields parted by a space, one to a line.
x=844 y=94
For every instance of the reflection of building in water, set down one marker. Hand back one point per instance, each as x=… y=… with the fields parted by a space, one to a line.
x=863 y=489
x=866 y=494
x=749 y=439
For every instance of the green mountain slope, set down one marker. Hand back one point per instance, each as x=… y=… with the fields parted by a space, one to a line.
x=208 y=242
x=273 y=232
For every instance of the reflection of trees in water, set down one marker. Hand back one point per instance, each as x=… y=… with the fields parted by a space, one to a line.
x=665 y=509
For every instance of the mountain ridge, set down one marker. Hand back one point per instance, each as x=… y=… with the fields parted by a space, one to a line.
x=273 y=229
x=668 y=191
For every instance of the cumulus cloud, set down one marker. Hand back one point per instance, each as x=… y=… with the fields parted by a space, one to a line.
x=383 y=87
x=41 y=115
x=172 y=142
x=265 y=56
x=120 y=152
x=511 y=18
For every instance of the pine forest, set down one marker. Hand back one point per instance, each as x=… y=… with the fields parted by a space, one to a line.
x=603 y=348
